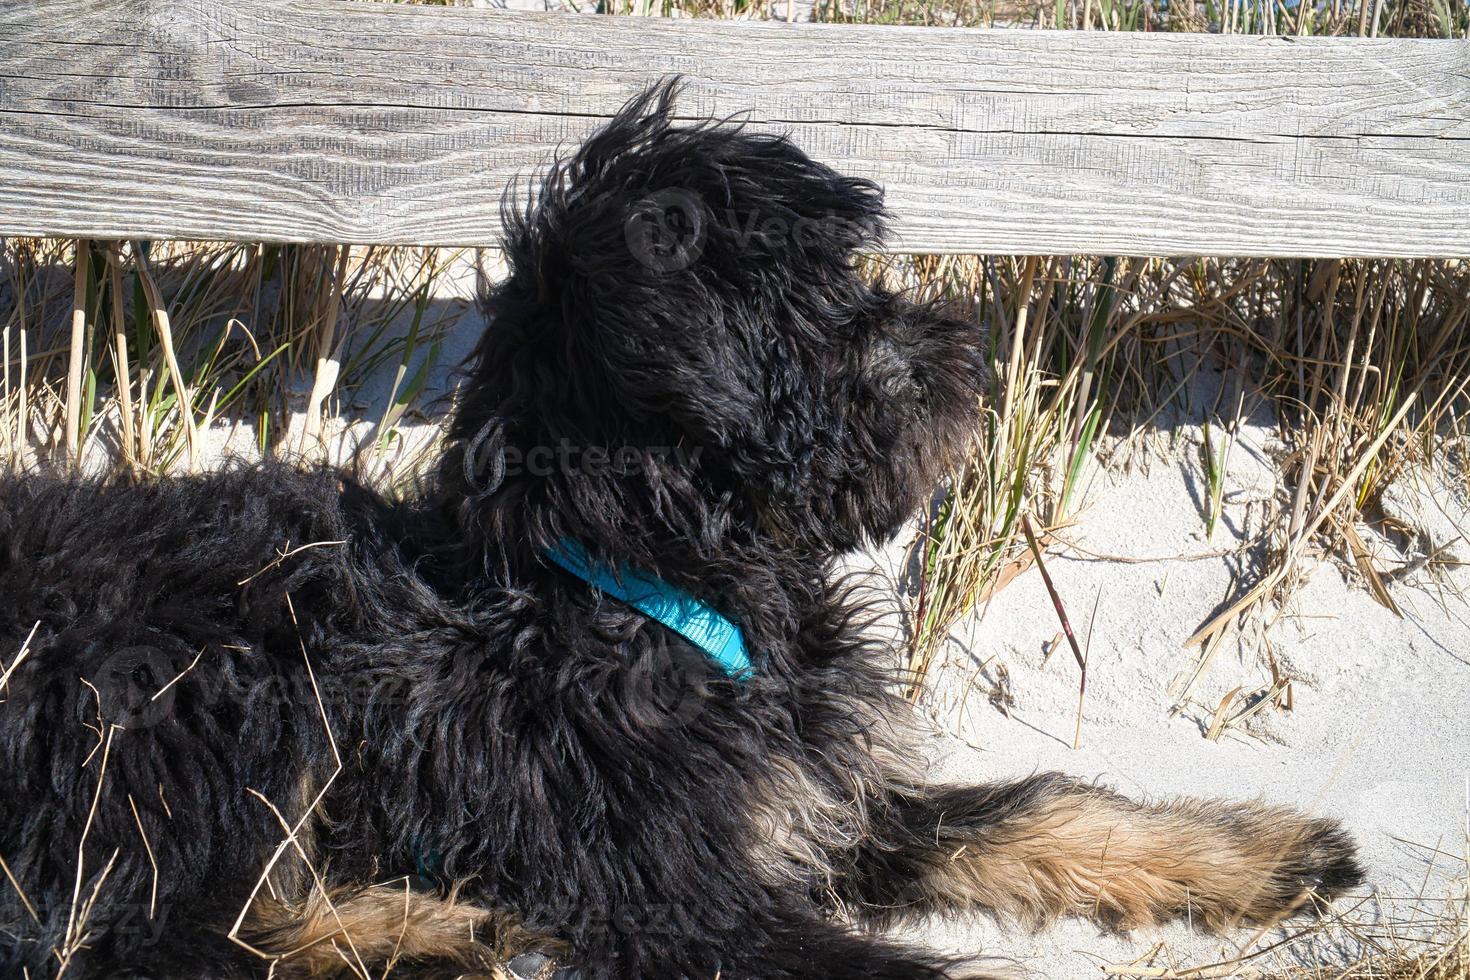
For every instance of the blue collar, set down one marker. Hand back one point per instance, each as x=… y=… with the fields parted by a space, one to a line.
x=657 y=599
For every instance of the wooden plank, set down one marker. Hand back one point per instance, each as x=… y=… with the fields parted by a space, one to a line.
x=332 y=121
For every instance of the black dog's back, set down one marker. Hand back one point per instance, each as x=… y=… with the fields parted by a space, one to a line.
x=156 y=681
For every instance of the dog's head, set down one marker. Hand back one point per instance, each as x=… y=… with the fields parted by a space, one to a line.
x=684 y=341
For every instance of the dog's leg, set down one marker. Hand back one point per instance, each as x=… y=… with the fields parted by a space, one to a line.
x=1050 y=846
x=387 y=928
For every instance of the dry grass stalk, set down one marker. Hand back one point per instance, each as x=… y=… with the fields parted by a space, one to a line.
x=1288 y=561
x=293 y=830
x=159 y=312
x=121 y=371
x=328 y=364
x=78 y=352
x=1056 y=601
x=75 y=938
x=1066 y=332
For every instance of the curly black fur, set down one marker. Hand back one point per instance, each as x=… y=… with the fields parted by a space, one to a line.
x=726 y=403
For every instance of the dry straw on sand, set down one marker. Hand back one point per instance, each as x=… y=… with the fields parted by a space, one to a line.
x=1367 y=363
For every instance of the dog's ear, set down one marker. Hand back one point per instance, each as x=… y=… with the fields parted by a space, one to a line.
x=684 y=275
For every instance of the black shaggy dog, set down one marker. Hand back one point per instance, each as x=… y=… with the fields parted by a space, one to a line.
x=267 y=722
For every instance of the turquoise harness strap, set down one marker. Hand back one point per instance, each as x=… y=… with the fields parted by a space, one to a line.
x=657 y=599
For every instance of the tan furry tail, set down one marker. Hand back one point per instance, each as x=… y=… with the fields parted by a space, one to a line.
x=1050 y=846
x=368 y=931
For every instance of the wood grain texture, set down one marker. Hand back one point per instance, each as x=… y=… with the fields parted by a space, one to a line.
x=333 y=121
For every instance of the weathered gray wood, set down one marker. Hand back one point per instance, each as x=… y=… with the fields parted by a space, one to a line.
x=322 y=120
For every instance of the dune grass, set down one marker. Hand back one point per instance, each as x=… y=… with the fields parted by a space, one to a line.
x=138 y=351
x=1366 y=364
